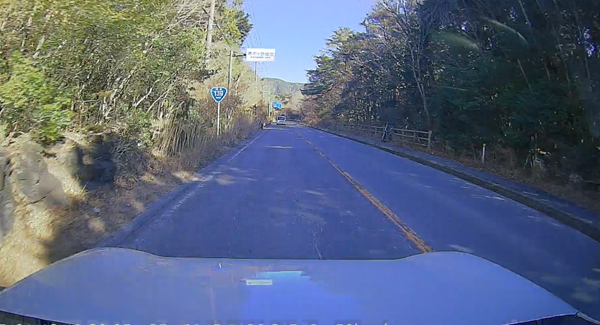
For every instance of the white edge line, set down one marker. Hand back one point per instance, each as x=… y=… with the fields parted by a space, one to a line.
x=244 y=148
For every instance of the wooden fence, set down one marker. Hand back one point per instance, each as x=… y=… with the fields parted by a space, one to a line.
x=388 y=133
x=368 y=129
x=422 y=138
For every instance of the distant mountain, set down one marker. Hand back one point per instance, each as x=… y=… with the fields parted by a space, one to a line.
x=288 y=93
x=282 y=87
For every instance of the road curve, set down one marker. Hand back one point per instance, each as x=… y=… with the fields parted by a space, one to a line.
x=299 y=193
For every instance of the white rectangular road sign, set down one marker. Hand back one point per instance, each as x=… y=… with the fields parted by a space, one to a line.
x=260 y=55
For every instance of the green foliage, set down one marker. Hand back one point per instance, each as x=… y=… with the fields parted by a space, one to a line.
x=128 y=65
x=137 y=123
x=30 y=101
x=515 y=74
x=237 y=25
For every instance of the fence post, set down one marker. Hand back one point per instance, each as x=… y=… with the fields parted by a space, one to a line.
x=416 y=140
x=483 y=154
x=429 y=141
x=385 y=132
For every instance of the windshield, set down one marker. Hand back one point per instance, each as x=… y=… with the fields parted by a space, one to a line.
x=415 y=127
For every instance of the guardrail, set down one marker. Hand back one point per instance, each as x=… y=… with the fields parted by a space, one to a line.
x=388 y=133
x=422 y=138
x=374 y=130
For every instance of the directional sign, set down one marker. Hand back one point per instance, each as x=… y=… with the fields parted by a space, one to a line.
x=218 y=93
x=277 y=105
x=260 y=55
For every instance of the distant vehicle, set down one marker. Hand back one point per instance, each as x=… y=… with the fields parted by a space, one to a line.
x=281 y=120
x=121 y=286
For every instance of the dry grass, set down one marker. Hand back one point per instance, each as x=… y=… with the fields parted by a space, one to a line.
x=42 y=236
x=505 y=163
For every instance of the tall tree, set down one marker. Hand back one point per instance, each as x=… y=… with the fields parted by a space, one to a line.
x=514 y=74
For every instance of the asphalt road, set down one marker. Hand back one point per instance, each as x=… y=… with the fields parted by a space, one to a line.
x=298 y=193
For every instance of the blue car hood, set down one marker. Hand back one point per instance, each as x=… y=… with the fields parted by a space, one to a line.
x=119 y=286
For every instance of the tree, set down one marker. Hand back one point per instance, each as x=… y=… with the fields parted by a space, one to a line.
x=125 y=65
x=514 y=74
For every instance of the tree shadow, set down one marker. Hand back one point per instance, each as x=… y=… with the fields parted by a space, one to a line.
x=96 y=206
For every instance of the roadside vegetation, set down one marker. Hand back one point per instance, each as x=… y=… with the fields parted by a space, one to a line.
x=111 y=97
x=520 y=76
x=289 y=94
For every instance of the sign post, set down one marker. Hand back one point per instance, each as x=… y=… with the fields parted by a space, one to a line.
x=230 y=76
x=277 y=106
x=218 y=94
x=260 y=55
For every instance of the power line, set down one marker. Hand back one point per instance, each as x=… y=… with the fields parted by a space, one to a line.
x=255 y=35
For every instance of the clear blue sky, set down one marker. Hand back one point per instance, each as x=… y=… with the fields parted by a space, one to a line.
x=297 y=29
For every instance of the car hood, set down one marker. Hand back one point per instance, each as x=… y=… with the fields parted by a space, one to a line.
x=119 y=286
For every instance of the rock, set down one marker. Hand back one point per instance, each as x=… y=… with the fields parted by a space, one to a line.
x=27 y=166
x=90 y=163
x=6 y=200
x=33 y=182
x=30 y=178
x=66 y=152
x=51 y=187
x=71 y=158
x=25 y=179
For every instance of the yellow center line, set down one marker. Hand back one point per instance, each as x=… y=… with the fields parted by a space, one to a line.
x=404 y=228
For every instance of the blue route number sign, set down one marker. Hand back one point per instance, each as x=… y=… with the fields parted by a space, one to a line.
x=218 y=93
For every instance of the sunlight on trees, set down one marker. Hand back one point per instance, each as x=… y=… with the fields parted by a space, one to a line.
x=518 y=75
x=123 y=65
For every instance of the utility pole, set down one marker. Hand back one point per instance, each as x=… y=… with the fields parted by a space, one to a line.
x=218 y=118
x=230 y=77
x=230 y=70
x=259 y=55
x=211 y=22
x=269 y=102
x=256 y=78
x=267 y=99
x=256 y=73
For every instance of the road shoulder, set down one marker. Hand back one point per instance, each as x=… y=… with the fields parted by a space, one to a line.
x=116 y=238
x=575 y=217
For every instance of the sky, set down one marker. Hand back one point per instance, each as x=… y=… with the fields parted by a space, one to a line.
x=297 y=30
